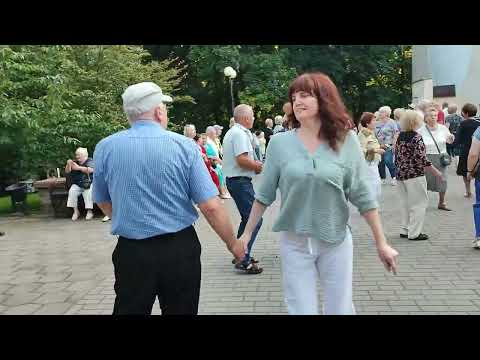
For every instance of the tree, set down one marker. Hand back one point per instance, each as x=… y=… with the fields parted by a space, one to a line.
x=55 y=98
x=266 y=80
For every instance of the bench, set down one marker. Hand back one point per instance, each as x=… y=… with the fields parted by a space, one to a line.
x=56 y=190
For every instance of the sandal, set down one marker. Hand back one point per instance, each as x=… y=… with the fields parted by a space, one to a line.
x=444 y=207
x=252 y=259
x=467 y=195
x=250 y=268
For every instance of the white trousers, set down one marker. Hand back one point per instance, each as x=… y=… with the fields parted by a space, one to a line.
x=73 y=194
x=413 y=204
x=374 y=180
x=304 y=260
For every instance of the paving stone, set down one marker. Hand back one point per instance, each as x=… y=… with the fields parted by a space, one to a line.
x=21 y=299
x=53 y=309
x=26 y=309
x=52 y=298
x=439 y=276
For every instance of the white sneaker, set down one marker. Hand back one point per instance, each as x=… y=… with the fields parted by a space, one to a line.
x=89 y=215
x=105 y=219
x=75 y=215
x=476 y=244
x=393 y=182
x=384 y=182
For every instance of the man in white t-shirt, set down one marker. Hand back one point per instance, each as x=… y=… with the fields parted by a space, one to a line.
x=239 y=167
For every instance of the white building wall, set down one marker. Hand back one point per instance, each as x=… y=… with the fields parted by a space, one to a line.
x=457 y=65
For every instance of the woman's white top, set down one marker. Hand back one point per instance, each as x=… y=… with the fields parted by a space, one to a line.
x=441 y=134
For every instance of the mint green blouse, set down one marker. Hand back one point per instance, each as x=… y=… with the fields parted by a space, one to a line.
x=315 y=188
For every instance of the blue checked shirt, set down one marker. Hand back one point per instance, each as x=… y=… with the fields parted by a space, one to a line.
x=151 y=176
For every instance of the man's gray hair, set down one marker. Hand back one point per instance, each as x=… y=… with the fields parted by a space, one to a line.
x=242 y=110
x=269 y=121
x=278 y=120
x=452 y=108
x=83 y=151
x=133 y=113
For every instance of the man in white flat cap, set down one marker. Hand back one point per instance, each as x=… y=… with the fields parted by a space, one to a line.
x=147 y=181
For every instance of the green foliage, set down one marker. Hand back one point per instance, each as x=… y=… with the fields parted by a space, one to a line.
x=266 y=80
x=56 y=98
x=33 y=203
x=368 y=76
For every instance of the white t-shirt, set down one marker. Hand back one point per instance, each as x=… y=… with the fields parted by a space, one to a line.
x=441 y=133
x=238 y=140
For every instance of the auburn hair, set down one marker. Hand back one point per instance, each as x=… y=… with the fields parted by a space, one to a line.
x=367 y=118
x=336 y=122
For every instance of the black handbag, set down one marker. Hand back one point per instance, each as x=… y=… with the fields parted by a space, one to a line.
x=86 y=183
x=445 y=159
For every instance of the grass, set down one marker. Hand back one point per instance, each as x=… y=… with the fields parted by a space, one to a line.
x=33 y=202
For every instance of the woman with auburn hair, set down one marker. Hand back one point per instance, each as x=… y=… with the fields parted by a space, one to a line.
x=318 y=167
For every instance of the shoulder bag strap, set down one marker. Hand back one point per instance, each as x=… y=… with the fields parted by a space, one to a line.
x=426 y=126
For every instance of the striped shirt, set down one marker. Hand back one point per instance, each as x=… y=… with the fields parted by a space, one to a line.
x=151 y=176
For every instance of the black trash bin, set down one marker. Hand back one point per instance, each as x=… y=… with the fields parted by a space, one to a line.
x=18 y=195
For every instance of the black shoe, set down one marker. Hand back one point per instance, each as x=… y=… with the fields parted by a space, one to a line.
x=420 y=237
x=403 y=236
x=2 y=233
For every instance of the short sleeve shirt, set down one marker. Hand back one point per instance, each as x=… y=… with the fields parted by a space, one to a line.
x=238 y=140
x=386 y=131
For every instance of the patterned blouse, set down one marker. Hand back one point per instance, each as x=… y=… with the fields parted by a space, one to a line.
x=410 y=156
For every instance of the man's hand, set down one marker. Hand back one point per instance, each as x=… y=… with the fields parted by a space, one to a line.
x=236 y=247
x=380 y=151
x=75 y=166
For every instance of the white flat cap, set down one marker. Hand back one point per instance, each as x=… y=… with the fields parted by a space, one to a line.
x=143 y=97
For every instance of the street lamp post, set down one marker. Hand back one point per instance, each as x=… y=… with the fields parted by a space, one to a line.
x=231 y=74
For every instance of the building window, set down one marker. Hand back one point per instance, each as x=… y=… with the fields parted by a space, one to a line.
x=444 y=91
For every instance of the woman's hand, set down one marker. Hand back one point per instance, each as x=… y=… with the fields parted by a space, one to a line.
x=380 y=151
x=74 y=166
x=438 y=174
x=388 y=256
x=245 y=239
x=450 y=139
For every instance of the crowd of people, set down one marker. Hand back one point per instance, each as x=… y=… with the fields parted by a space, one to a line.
x=418 y=146
x=314 y=154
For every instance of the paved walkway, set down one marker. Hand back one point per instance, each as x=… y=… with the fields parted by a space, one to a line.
x=55 y=266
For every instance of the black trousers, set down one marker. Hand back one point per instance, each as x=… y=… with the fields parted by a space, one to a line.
x=167 y=266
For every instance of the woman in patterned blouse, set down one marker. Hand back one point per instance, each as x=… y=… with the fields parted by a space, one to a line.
x=411 y=162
